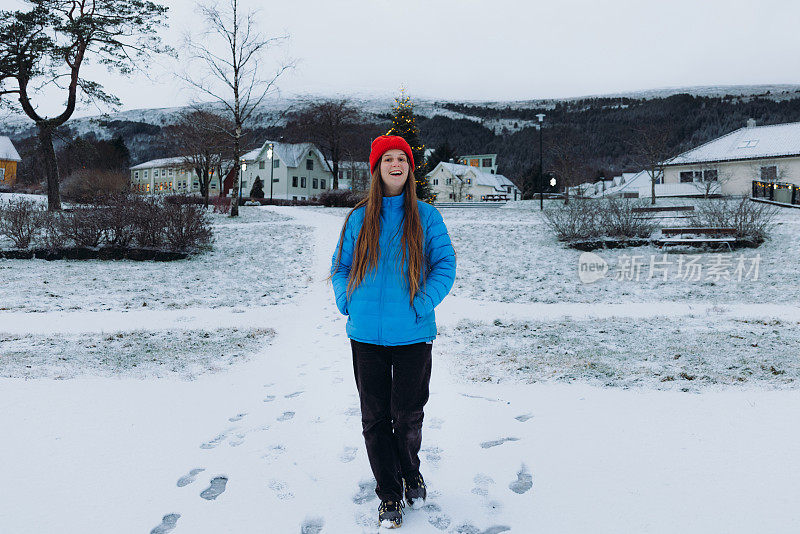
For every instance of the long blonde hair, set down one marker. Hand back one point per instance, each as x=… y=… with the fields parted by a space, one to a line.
x=367 y=249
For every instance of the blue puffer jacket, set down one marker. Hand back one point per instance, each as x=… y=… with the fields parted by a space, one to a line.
x=378 y=309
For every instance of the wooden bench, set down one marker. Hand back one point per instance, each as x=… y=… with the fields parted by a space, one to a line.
x=664 y=212
x=692 y=235
x=490 y=198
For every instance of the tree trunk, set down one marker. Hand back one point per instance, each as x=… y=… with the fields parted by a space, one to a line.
x=236 y=166
x=653 y=187
x=48 y=154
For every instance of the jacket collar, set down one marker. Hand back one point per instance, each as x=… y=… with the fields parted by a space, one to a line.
x=394 y=203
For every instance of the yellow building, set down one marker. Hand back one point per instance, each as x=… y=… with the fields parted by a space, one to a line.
x=9 y=157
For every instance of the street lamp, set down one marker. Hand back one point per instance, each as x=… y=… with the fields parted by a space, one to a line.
x=271 y=168
x=540 y=116
x=243 y=167
x=552 y=182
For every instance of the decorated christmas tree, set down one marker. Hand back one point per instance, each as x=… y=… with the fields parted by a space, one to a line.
x=404 y=125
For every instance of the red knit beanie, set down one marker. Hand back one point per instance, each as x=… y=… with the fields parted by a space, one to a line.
x=385 y=143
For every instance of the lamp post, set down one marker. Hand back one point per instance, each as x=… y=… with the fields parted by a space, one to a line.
x=270 y=154
x=242 y=168
x=540 y=116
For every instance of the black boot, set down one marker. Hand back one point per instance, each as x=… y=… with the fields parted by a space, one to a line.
x=415 y=490
x=390 y=514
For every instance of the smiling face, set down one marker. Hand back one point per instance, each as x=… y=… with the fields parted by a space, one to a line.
x=394 y=171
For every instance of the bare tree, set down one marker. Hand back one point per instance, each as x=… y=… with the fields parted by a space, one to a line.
x=330 y=125
x=651 y=149
x=709 y=180
x=45 y=49
x=233 y=76
x=457 y=186
x=201 y=139
x=567 y=152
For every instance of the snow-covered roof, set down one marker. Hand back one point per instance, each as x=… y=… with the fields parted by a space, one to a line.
x=347 y=164
x=7 y=150
x=163 y=162
x=288 y=153
x=751 y=142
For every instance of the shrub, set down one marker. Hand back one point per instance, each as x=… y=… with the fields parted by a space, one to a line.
x=187 y=227
x=340 y=198
x=752 y=220
x=84 y=226
x=593 y=218
x=53 y=235
x=20 y=220
x=221 y=204
x=148 y=222
x=92 y=186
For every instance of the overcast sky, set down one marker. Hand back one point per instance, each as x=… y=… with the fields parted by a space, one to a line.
x=504 y=49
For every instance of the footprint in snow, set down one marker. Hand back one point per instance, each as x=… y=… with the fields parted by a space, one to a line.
x=495 y=443
x=215 y=441
x=274 y=452
x=436 y=518
x=312 y=525
x=188 y=478
x=435 y=423
x=348 y=454
x=524 y=417
x=524 y=481
x=286 y=416
x=293 y=395
x=479 y=397
x=281 y=489
x=366 y=492
x=482 y=483
x=433 y=455
x=237 y=440
x=269 y=398
x=237 y=417
x=467 y=528
x=168 y=523
x=215 y=489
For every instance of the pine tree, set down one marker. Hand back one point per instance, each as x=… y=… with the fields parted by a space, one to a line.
x=404 y=125
x=257 y=191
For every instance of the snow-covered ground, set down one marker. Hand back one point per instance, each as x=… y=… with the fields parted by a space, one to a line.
x=619 y=406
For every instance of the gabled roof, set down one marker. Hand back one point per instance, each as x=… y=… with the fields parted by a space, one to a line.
x=289 y=153
x=163 y=162
x=7 y=150
x=753 y=142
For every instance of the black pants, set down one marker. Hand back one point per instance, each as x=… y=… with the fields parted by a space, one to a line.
x=393 y=386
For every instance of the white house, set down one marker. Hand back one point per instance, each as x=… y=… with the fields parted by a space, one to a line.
x=452 y=182
x=733 y=161
x=484 y=162
x=169 y=176
x=299 y=171
x=353 y=172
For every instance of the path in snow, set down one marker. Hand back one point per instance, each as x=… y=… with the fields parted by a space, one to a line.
x=274 y=445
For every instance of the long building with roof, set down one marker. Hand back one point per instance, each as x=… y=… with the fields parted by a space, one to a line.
x=732 y=162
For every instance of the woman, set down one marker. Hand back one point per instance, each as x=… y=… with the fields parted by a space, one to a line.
x=393 y=265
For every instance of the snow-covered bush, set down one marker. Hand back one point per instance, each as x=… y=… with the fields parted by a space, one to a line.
x=149 y=222
x=752 y=220
x=20 y=220
x=594 y=218
x=187 y=227
x=221 y=204
x=84 y=226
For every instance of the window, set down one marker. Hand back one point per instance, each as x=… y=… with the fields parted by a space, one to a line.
x=276 y=163
x=748 y=143
x=349 y=174
x=448 y=181
x=769 y=174
x=474 y=163
x=213 y=185
x=469 y=197
x=135 y=174
x=294 y=198
x=294 y=183
x=710 y=175
x=691 y=176
x=262 y=165
x=487 y=162
x=435 y=181
x=341 y=174
x=195 y=184
x=145 y=174
x=302 y=181
x=451 y=196
x=322 y=183
x=148 y=188
x=314 y=183
x=309 y=164
x=170 y=171
x=469 y=180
